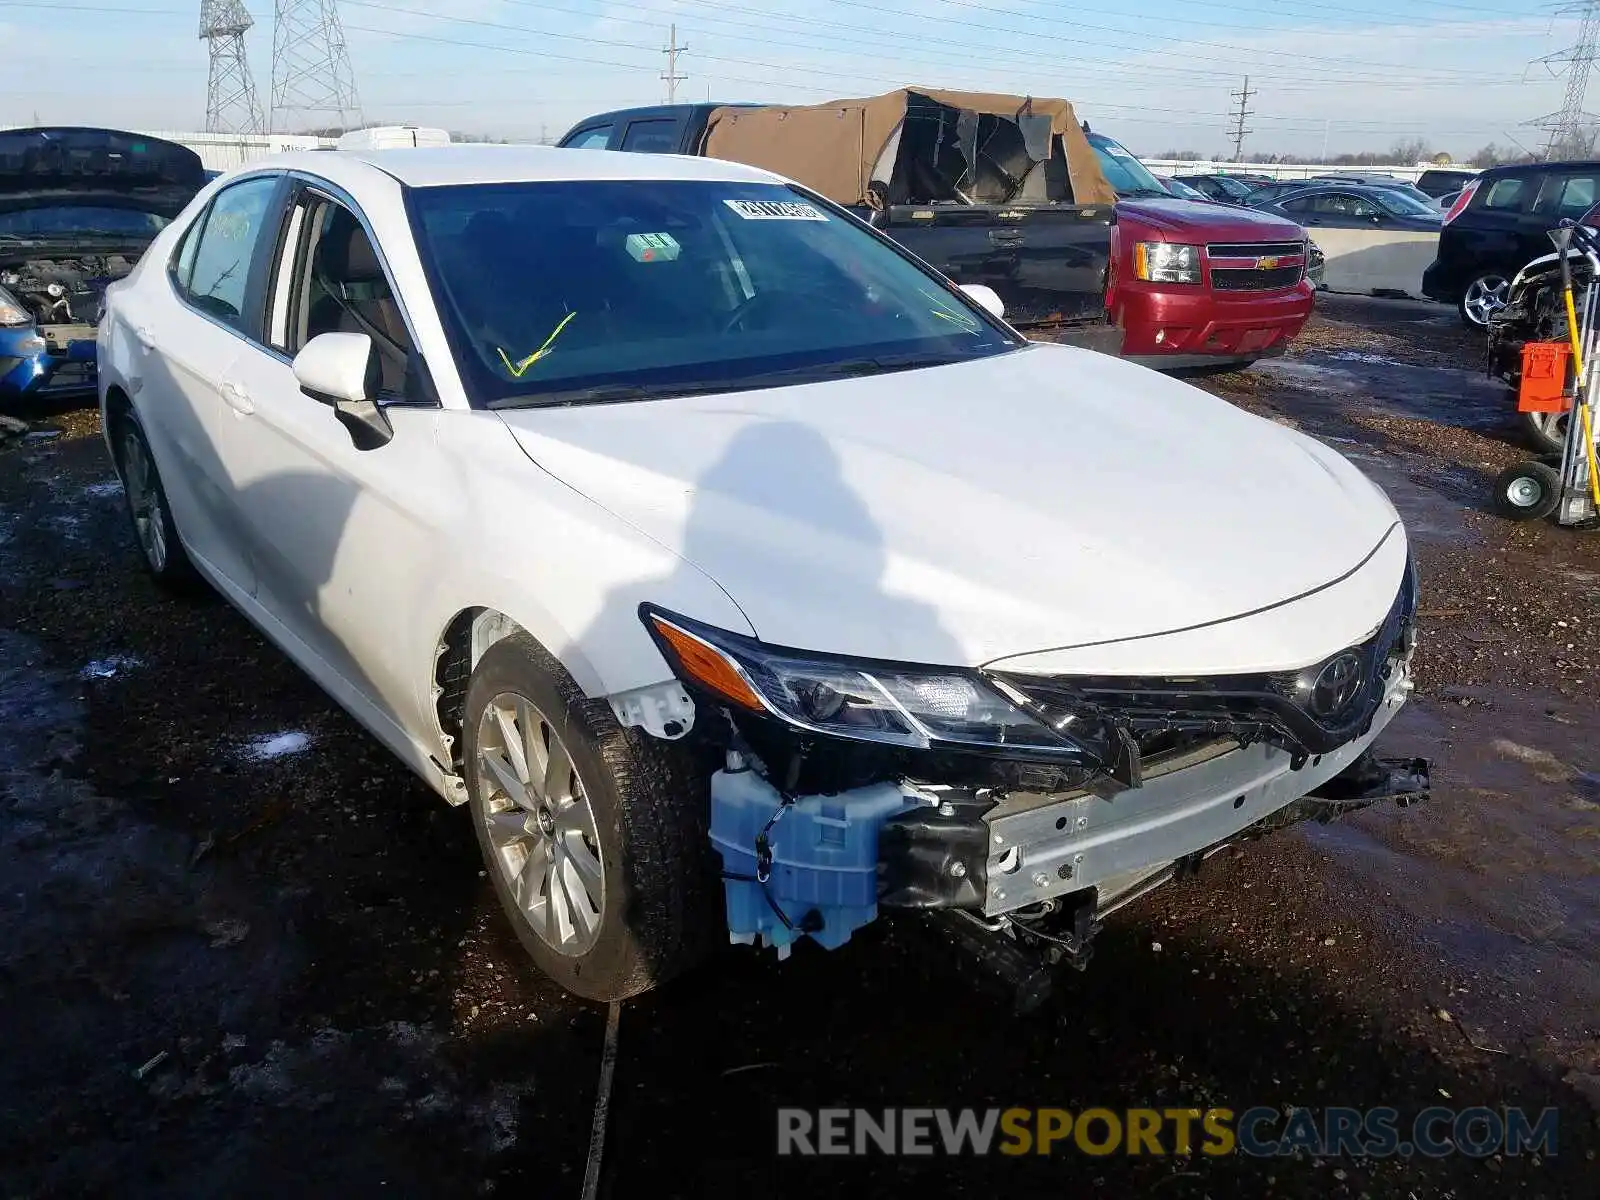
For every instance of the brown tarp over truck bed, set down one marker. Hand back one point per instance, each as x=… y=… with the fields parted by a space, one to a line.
x=840 y=147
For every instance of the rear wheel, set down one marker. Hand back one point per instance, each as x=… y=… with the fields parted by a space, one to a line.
x=1528 y=491
x=1485 y=296
x=1546 y=432
x=153 y=529
x=594 y=836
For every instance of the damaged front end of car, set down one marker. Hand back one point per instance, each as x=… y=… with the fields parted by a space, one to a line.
x=1017 y=810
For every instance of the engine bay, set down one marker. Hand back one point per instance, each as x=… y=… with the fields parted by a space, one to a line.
x=64 y=291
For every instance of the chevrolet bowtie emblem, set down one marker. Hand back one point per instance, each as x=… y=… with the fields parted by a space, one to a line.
x=1266 y=264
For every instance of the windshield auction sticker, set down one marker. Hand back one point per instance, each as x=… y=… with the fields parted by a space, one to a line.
x=776 y=210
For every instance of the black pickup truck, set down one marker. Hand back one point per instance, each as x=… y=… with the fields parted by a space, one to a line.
x=1048 y=260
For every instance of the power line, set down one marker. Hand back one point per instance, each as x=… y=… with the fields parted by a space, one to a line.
x=671 y=78
x=1239 y=131
x=1567 y=127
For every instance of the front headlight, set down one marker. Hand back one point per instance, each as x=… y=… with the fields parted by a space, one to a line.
x=859 y=699
x=1166 y=262
x=12 y=314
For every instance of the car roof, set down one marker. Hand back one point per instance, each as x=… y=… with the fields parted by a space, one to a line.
x=1540 y=168
x=442 y=166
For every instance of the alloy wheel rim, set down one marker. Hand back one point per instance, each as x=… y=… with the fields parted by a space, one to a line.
x=144 y=502
x=1554 y=425
x=1485 y=297
x=540 y=825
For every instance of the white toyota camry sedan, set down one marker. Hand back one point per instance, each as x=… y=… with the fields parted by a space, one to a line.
x=744 y=578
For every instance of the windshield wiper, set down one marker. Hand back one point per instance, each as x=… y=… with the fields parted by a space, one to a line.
x=620 y=392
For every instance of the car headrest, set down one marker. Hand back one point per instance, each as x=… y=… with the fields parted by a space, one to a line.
x=345 y=252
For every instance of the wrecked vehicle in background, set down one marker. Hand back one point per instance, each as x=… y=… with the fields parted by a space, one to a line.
x=741 y=575
x=77 y=209
x=1080 y=242
x=1535 y=311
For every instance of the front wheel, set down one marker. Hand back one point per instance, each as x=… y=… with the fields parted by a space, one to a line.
x=1485 y=296
x=1528 y=491
x=1546 y=432
x=595 y=837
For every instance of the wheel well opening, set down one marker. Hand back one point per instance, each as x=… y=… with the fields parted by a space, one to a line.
x=469 y=634
x=117 y=403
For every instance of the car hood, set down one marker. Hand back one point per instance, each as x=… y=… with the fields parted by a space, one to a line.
x=96 y=166
x=1048 y=497
x=1215 y=222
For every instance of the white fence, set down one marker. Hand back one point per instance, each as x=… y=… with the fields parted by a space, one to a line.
x=1169 y=166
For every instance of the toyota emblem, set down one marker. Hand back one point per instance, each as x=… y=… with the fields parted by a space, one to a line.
x=1336 y=686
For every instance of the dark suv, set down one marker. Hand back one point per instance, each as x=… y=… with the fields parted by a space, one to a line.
x=1498 y=225
x=1444 y=181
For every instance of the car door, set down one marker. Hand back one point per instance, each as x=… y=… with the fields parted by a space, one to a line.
x=345 y=540
x=190 y=332
x=1505 y=232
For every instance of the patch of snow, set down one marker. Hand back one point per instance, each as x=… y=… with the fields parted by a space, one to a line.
x=109 y=668
x=277 y=745
x=1360 y=357
x=105 y=490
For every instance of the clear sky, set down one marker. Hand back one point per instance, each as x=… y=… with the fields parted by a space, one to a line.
x=1155 y=73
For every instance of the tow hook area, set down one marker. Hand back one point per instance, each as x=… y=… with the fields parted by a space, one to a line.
x=1372 y=780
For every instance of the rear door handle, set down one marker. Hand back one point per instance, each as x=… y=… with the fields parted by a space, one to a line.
x=238 y=399
x=1006 y=237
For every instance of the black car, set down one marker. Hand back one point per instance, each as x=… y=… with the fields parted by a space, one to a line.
x=1439 y=181
x=1499 y=224
x=1355 y=206
x=1223 y=188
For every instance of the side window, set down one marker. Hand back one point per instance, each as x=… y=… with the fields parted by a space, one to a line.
x=1507 y=195
x=1566 y=195
x=183 y=259
x=596 y=137
x=339 y=285
x=1301 y=204
x=218 y=270
x=651 y=137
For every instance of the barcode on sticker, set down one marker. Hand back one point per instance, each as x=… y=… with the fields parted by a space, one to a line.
x=776 y=210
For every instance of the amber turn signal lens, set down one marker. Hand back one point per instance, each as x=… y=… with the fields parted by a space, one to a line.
x=708 y=666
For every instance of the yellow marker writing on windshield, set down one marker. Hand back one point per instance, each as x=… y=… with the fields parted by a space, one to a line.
x=519 y=369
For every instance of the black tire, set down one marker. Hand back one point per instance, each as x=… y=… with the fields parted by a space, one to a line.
x=1529 y=491
x=155 y=536
x=1545 y=432
x=651 y=807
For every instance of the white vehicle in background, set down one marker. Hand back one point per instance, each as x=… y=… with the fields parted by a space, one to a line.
x=740 y=573
x=392 y=137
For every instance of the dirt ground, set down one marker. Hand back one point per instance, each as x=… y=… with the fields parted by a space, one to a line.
x=245 y=954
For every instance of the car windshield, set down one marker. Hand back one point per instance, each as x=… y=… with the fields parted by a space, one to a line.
x=80 y=219
x=1403 y=204
x=602 y=290
x=1127 y=176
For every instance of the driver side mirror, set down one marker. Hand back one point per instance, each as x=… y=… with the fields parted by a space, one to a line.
x=987 y=299
x=342 y=371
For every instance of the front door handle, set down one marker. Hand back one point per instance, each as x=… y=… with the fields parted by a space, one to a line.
x=238 y=399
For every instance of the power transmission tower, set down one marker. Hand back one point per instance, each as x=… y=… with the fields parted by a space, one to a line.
x=231 y=103
x=1239 y=131
x=671 y=77
x=1568 y=128
x=311 y=74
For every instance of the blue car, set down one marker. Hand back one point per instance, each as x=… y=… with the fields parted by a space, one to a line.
x=77 y=209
